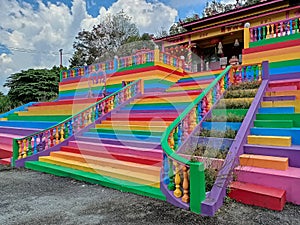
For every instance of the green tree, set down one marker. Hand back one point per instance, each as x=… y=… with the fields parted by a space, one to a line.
x=5 y=104
x=251 y=2
x=32 y=85
x=103 y=42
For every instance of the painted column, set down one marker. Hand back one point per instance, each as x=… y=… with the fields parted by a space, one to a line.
x=246 y=37
x=156 y=55
x=189 y=56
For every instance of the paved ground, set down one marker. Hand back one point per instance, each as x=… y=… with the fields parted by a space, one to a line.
x=28 y=197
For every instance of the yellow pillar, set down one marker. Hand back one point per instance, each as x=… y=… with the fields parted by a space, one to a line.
x=246 y=37
x=156 y=55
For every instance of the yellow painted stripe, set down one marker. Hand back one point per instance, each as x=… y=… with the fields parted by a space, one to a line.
x=250 y=59
x=135 y=177
x=261 y=161
x=292 y=103
x=3 y=119
x=109 y=162
x=270 y=140
x=284 y=93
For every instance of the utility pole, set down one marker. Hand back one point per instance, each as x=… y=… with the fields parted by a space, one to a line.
x=60 y=58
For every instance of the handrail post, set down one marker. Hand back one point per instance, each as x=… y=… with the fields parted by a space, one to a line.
x=197 y=186
x=15 y=155
x=265 y=70
x=246 y=37
x=116 y=64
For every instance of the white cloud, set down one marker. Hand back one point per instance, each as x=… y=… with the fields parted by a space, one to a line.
x=149 y=17
x=50 y=27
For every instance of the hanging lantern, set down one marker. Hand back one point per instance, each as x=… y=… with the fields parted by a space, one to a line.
x=236 y=43
x=220 y=48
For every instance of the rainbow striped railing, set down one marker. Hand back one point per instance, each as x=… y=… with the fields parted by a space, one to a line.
x=275 y=29
x=184 y=179
x=123 y=62
x=48 y=138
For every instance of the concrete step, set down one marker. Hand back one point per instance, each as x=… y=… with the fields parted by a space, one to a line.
x=141 y=159
x=129 y=143
x=108 y=171
x=144 y=138
x=274 y=123
x=279 y=98
x=156 y=153
x=5 y=161
x=288 y=180
x=109 y=162
x=130 y=131
x=294 y=133
x=276 y=110
x=270 y=140
x=122 y=185
x=292 y=153
x=295 y=117
x=262 y=161
x=258 y=195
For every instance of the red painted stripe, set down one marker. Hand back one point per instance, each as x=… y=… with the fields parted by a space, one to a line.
x=147 y=69
x=272 y=47
x=112 y=155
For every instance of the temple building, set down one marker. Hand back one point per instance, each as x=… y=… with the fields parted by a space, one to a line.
x=213 y=42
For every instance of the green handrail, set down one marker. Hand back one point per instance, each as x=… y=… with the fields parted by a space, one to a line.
x=164 y=140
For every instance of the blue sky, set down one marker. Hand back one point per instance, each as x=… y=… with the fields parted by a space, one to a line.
x=32 y=31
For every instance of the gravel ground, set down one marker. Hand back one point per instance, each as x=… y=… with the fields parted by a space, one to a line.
x=28 y=197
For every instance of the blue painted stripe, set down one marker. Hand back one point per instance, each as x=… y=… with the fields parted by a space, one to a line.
x=123 y=137
x=276 y=110
x=18 y=109
x=284 y=70
x=288 y=132
x=221 y=126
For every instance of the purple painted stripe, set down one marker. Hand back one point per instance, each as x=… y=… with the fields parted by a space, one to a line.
x=215 y=197
x=293 y=153
x=279 y=98
x=286 y=76
x=18 y=131
x=128 y=143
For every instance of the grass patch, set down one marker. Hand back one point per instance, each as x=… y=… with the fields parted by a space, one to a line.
x=229 y=133
x=234 y=103
x=245 y=85
x=210 y=152
x=226 y=118
x=250 y=93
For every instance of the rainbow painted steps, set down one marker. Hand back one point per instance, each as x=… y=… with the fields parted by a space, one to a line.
x=269 y=170
x=124 y=150
x=34 y=118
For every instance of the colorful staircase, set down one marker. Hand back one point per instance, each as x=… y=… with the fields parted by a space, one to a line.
x=34 y=118
x=269 y=170
x=124 y=150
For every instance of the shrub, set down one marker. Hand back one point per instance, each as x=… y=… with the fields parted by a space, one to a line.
x=240 y=93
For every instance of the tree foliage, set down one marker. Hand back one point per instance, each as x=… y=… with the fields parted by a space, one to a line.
x=109 y=38
x=5 y=104
x=32 y=85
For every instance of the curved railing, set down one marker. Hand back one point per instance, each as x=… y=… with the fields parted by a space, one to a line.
x=112 y=66
x=184 y=180
x=48 y=138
